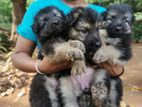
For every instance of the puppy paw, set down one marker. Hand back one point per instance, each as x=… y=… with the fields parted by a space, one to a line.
x=76 y=54
x=117 y=61
x=77 y=44
x=100 y=56
x=78 y=68
x=99 y=93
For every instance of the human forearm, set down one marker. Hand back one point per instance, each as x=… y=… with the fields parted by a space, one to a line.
x=25 y=63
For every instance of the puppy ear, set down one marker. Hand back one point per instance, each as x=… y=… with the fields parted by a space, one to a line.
x=71 y=19
x=99 y=21
x=35 y=28
x=73 y=16
x=104 y=15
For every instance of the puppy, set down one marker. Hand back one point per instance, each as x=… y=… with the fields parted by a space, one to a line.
x=118 y=21
x=49 y=26
x=74 y=92
x=62 y=41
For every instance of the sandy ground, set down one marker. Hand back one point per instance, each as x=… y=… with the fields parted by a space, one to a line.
x=132 y=84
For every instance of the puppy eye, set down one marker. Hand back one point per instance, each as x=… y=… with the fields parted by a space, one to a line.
x=54 y=14
x=45 y=19
x=111 y=17
x=98 y=28
x=126 y=19
x=42 y=23
x=84 y=31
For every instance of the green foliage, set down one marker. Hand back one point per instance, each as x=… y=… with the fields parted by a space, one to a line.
x=29 y=2
x=5 y=10
x=6 y=26
x=5 y=44
x=138 y=16
x=137 y=29
x=96 y=1
x=136 y=4
x=137 y=32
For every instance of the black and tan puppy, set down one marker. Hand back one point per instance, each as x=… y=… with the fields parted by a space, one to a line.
x=82 y=27
x=118 y=21
x=62 y=40
x=49 y=26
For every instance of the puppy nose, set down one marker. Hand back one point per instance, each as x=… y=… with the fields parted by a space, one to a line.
x=119 y=26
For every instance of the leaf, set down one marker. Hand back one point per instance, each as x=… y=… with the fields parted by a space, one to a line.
x=3 y=49
x=123 y=104
x=133 y=88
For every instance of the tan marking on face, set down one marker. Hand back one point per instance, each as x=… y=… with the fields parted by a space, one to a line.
x=57 y=13
x=84 y=24
x=73 y=34
x=103 y=34
x=78 y=32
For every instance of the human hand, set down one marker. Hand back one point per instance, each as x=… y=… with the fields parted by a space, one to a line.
x=45 y=66
x=114 y=70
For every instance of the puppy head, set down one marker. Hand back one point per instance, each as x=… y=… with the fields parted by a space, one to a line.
x=83 y=24
x=48 y=21
x=81 y=20
x=118 y=19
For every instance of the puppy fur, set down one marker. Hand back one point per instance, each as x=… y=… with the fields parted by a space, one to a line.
x=58 y=89
x=49 y=26
x=82 y=27
x=118 y=21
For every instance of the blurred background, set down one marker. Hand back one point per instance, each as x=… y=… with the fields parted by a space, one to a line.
x=14 y=84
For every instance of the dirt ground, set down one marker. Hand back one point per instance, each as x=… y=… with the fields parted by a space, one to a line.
x=132 y=84
x=133 y=78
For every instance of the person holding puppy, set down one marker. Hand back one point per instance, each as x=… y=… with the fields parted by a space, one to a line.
x=27 y=41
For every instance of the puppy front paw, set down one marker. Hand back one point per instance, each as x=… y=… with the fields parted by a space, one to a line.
x=100 y=56
x=117 y=61
x=77 y=44
x=76 y=54
x=78 y=67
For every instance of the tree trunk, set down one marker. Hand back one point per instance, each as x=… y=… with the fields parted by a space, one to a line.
x=18 y=11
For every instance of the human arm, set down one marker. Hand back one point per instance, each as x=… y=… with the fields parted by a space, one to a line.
x=22 y=58
x=113 y=70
